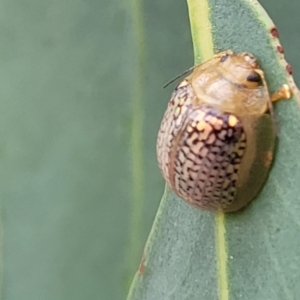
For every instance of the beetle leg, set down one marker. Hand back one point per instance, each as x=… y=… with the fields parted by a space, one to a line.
x=283 y=93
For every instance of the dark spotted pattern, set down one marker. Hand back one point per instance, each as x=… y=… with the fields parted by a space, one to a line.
x=208 y=158
x=199 y=151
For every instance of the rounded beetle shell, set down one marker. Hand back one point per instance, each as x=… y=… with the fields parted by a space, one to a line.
x=216 y=139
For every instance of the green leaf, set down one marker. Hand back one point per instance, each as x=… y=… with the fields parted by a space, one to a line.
x=71 y=103
x=252 y=254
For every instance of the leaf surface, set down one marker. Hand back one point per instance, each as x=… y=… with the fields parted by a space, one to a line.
x=252 y=254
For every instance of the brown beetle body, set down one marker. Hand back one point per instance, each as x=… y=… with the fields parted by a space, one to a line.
x=216 y=141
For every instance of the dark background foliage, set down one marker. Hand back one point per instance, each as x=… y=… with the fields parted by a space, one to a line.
x=69 y=75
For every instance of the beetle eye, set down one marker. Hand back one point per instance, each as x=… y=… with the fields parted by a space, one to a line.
x=224 y=57
x=254 y=77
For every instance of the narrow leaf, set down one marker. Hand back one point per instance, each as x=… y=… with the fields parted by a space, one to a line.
x=252 y=254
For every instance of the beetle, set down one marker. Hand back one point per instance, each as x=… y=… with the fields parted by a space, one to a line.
x=216 y=141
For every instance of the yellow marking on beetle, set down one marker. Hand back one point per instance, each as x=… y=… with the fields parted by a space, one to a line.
x=232 y=121
x=177 y=112
x=183 y=83
x=201 y=125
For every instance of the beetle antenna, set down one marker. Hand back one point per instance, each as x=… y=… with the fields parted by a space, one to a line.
x=178 y=76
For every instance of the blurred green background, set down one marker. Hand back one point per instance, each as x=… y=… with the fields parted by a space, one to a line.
x=81 y=102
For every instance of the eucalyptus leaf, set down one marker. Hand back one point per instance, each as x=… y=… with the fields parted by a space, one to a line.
x=252 y=254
